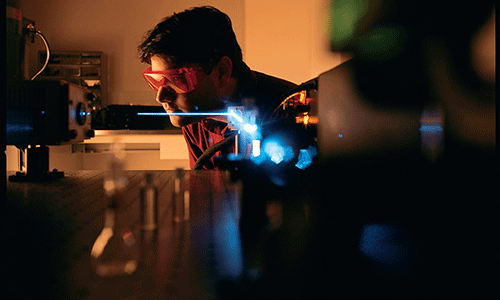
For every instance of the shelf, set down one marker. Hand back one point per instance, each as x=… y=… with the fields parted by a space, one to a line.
x=85 y=68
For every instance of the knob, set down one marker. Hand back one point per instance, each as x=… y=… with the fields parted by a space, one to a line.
x=72 y=134
x=90 y=133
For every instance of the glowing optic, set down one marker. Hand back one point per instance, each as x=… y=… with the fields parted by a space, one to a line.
x=250 y=128
x=233 y=114
x=278 y=152
x=275 y=151
x=306 y=157
x=255 y=148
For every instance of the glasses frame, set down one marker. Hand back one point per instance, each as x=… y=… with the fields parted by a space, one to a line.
x=191 y=74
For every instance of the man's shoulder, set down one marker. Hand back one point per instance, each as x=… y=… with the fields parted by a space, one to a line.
x=267 y=92
x=272 y=83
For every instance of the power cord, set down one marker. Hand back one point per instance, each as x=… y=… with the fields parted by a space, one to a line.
x=212 y=150
x=31 y=28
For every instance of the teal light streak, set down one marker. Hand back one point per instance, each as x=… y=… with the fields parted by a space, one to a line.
x=163 y=114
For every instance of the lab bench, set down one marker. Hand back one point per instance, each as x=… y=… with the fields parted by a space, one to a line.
x=145 y=150
x=60 y=220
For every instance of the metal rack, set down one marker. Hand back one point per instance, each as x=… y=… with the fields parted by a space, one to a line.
x=86 y=69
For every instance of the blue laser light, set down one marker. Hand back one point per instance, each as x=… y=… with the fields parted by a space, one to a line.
x=233 y=114
x=164 y=114
x=237 y=116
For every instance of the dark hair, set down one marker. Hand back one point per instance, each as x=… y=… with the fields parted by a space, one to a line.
x=198 y=35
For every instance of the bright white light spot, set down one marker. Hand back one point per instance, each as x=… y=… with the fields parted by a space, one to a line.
x=278 y=152
x=255 y=148
x=250 y=128
x=275 y=152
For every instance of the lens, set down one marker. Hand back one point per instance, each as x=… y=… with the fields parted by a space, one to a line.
x=181 y=80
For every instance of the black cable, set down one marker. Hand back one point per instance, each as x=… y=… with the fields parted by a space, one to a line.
x=308 y=85
x=211 y=151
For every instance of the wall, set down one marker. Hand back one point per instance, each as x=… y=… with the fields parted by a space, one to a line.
x=284 y=38
x=114 y=27
x=288 y=38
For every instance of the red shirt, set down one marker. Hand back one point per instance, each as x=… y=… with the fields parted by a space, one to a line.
x=265 y=90
x=201 y=135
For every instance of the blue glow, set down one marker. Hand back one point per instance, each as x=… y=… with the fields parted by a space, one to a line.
x=278 y=152
x=162 y=114
x=387 y=246
x=431 y=128
x=244 y=119
x=236 y=117
x=341 y=135
x=228 y=250
x=250 y=128
x=275 y=151
x=18 y=128
x=258 y=159
x=43 y=112
x=233 y=114
x=278 y=180
x=306 y=157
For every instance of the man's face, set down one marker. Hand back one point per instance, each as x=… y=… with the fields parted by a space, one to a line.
x=203 y=98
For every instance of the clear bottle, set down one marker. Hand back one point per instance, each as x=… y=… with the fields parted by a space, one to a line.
x=149 y=203
x=180 y=198
x=115 y=251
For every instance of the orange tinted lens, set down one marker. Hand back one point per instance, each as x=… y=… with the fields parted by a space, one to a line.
x=152 y=82
x=181 y=80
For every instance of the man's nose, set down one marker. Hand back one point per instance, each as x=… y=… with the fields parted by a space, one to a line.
x=165 y=94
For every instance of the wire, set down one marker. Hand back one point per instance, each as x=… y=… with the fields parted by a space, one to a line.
x=32 y=28
x=211 y=151
x=310 y=84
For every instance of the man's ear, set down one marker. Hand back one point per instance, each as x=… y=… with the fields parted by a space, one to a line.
x=224 y=71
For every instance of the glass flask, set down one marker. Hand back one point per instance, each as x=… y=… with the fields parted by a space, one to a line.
x=115 y=251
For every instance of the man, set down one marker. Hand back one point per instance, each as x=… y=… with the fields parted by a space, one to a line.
x=197 y=67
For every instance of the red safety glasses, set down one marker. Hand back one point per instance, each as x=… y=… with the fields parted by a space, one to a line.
x=182 y=80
